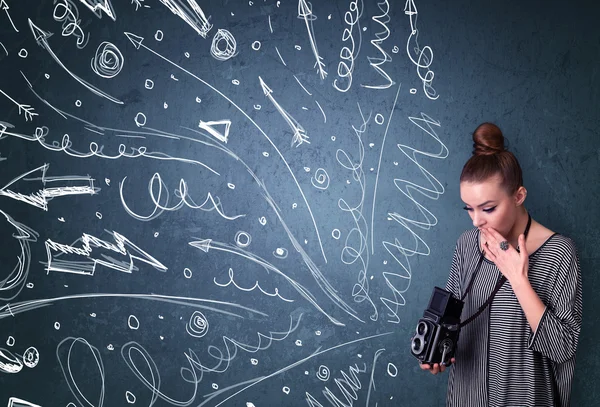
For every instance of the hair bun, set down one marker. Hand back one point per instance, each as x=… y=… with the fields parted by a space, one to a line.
x=488 y=140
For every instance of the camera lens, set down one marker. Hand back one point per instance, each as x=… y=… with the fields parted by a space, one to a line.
x=422 y=328
x=417 y=345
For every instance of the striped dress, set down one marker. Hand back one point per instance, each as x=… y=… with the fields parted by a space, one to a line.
x=499 y=360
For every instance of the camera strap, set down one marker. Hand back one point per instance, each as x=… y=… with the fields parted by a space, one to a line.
x=499 y=283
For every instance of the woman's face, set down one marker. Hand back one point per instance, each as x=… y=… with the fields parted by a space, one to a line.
x=489 y=205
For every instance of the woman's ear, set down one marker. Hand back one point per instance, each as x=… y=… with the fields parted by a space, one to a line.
x=520 y=196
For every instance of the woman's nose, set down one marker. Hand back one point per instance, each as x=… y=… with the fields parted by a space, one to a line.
x=478 y=221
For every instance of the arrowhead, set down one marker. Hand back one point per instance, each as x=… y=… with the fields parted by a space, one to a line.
x=136 y=40
x=203 y=245
x=265 y=88
x=39 y=34
x=41 y=169
x=3 y=5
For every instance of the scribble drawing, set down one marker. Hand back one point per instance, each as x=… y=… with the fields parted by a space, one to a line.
x=424 y=55
x=90 y=246
x=28 y=111
x=17 y=402
x=377 y=62
x=52 y=187
x=12 y=285
x=305 y=13
x=99 y=6
x=299 y=134
x=210 y=128
x=4 y=48
x=66 y=12
x=356 y=247
x=69 y=356
x=159 y=195
x=137 y=41
x=5 y=8
x=195 y=17
x=41 y=38
x=399 y=282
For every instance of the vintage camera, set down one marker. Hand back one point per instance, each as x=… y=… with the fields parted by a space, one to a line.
x=437 y=332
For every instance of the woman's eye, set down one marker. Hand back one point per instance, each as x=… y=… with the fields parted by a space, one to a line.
x=466 y=208
x=488 y=210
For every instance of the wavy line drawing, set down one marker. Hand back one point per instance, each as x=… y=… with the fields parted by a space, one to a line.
x=387 y=127
x=409 y=189
x=206 y=245
x=254 y=287
x=137 y=41
x=41 y=37
x=156 y=186
x=305 y=13
x=348 y=54
x=380 y=37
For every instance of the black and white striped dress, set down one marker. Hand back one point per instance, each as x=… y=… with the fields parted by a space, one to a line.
x=499 y=360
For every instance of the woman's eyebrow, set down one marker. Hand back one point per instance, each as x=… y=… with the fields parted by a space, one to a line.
x=483 y=204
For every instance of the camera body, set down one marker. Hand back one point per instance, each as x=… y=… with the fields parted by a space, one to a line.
x=437 y=332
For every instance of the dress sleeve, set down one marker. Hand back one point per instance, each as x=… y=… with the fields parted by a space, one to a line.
x=558 y=331
x=453 y=283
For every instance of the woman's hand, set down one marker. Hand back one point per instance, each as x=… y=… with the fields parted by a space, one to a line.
x=511 y=263
x=436 y=367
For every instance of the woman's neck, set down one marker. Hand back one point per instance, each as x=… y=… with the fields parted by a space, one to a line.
x=519 y=227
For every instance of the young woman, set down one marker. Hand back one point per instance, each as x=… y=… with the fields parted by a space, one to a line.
x=520 y=351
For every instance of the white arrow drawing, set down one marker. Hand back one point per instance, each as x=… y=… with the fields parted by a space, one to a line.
x=41 y=37
x=27 y=110
x=297 y=129
x=51 y=187
x=98 y=6
x=210 y=128
x=121 y=245
x=4 y=6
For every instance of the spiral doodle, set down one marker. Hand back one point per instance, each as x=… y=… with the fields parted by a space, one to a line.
x=230 y=45
x=108 y=60
x=198 y=325
x=323 y=373
x=321 y=179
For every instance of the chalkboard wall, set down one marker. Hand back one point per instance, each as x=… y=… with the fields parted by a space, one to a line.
x=248 y=203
